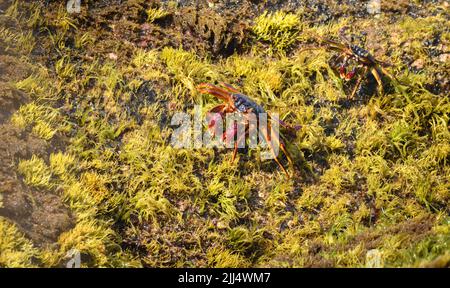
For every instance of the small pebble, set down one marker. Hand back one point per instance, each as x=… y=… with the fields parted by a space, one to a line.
x=222 y=225
x=145 y=26
x=444 y=57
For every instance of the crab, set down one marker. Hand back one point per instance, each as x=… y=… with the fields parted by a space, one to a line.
x=350 y=52
x=234 y=101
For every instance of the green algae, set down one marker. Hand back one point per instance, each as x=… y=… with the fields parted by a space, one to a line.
x=370 y=174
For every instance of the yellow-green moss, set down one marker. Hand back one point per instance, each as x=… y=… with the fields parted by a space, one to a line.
x=154 y=14
x=279 y=29
x=35 y=172
x=15 y=250
x=370 y=169
x=42 y=119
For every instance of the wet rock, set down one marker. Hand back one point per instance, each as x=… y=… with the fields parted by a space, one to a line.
x=112 y=56
x=12 y=69
x=224 y=33
x=10 y=100
x=216 y=29
x=40 y=214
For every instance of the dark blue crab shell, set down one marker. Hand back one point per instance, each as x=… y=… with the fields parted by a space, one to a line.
x=360 y=52
x=244 y=104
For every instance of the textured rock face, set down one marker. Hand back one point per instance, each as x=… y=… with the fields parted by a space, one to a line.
x=39 y=214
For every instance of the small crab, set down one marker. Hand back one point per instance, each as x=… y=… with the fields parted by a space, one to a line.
x=350 y=52
x=237 y=102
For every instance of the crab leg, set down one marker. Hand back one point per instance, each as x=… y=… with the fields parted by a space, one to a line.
x=358 y=83
x=285 y=125
x=385 y=72
x=229 y=88
x=280 y=142
x=378 y=78
x=343 y=36
x=335 y=45
x=283 y=148
x=288 y=155
x=269 y=143
x=330 y=44
x=236 y=146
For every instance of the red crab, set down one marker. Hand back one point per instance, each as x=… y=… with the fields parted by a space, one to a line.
x=234 y=101
x=363 y=61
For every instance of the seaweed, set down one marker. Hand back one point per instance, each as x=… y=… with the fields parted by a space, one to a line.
x=371 y=175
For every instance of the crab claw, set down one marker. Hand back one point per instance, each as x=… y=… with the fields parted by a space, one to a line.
x=350 y=74
x=346 y=75
x=342 y=72
x=213 y=118
x=206 y=88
